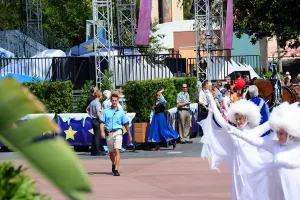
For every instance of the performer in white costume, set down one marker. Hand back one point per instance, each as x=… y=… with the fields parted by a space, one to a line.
x=281 y=179
x=219 y=146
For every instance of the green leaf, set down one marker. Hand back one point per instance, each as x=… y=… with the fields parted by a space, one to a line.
x=52 y=157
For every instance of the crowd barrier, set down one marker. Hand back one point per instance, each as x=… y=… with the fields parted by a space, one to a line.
x=76 y=128
x=172 y=119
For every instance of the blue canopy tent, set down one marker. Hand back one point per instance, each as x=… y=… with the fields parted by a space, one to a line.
x=88 y=47
x=23 y=78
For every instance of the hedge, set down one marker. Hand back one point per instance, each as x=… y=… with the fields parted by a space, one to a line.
x=140 y=94
x=56 y=96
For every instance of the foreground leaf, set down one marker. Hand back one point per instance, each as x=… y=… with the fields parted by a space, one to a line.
x=52 y=157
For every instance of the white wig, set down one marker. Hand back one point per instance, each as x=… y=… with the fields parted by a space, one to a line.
x=253 y=91
x=246 y=108
x=107 y=93
x=286 y=117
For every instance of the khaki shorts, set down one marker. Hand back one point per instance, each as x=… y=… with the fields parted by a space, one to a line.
x=114 y=140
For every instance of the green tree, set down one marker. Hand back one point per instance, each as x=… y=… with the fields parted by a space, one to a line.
x=65 y=20
x=187 y=5
x=155 y=45
x=10 y=14
x=268 y=18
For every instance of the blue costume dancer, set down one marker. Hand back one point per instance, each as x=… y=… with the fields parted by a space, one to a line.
x=261 y=103
x=160 y=131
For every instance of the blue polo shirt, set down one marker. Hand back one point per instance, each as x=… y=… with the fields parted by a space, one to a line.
x=113 y=119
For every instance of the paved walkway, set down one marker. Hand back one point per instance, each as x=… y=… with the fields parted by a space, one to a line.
x=150 y=179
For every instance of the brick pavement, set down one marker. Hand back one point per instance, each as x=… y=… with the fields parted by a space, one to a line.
x=150 y=178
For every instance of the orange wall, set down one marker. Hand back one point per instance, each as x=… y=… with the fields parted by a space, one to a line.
x=186 y=39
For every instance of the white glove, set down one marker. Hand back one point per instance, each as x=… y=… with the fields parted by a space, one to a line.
x=229 y=129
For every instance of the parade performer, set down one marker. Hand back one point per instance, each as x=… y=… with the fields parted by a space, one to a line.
x=261 y=103
x=281 y=179
x=160 y=131
x=218 y=146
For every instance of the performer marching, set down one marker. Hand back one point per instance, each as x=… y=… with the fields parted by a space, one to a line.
x=160 y=131
x=281 y=180
x=218 y=146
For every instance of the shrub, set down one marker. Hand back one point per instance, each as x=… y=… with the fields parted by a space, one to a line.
x=56 y=96
x=140 y=94
x=82 y=101
x=16 y=185
x=106 y=83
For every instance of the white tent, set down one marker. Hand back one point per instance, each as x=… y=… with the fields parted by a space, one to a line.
x=6 y=54
x=40 y=66
x=221 y=68
x=133 y=68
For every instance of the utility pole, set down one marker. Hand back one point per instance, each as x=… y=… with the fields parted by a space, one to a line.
x=279 y=56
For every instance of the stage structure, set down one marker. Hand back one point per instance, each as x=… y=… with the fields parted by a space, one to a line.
x=34 y=26
x=209 y=33
x=126 y=17
x=102 y=23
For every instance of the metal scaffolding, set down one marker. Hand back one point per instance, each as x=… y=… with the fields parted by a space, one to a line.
x=103 y=29
x=126 y=22
x=209 y=33
x=34 y=12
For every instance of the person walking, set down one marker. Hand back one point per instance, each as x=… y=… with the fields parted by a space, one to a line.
x=94 y=111
x=112 y=120
x=183 y=105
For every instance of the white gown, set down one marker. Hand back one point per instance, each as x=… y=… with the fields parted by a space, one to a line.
x=240 y=158
x=282 y=177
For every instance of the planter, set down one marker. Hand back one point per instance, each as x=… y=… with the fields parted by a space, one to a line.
x=141 y=132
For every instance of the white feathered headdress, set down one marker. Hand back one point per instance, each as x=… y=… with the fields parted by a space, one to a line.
x=246 y=108
x=286 y=117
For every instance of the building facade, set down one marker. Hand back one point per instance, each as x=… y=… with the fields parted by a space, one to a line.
x=166 y=11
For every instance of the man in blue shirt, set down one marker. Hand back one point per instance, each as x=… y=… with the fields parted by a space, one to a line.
x=112 y=120
x=261 y=103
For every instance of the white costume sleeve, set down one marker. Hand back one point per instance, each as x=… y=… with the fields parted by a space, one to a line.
x=217 y=144
x=263 y=143
x=217 y=114
x=260 y=130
